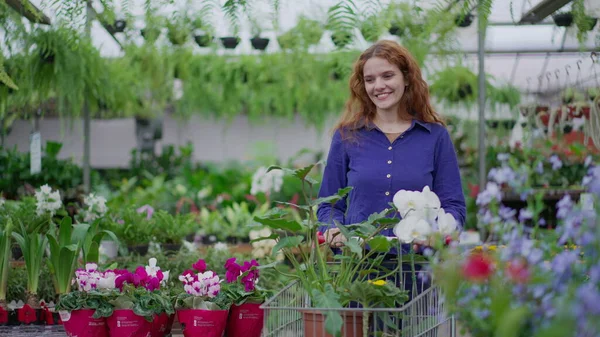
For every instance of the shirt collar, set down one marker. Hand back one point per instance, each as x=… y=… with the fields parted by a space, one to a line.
x=424 y=125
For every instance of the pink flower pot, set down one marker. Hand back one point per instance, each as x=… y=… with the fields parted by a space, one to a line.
x=125 y=323
x=161 y=325
x=205 y=323
x=245 y=320
x=80 y=323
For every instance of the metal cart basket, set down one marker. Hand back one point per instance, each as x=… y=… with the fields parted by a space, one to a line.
x=290 y=314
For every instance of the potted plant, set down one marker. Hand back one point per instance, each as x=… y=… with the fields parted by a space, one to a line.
x=258 y=42
x=563 y=19
x=83 y=311
x=334 y=286
x=456 y=85
x=134 y=228
x=230 y=42
x=169 y=230
x=246 y=295
x=464 y=20
x=202 y=309
x=203 y=34
x=178 y=29
x=142 y=307
x=306 y=33
x=371 y=28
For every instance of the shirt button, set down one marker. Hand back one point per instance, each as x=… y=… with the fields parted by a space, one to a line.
x=389 y=175
x=387 y=193
x=389 y=148
x=401 y=136
x=389 y=161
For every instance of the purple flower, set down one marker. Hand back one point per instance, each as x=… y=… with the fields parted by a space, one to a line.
x=491 y=192
x=525 y=215
x=539 y=168
x=556 y=162
x=590 y=298
x=501 y=175
x=148 y=209
x=507 y=213
x=564 y=206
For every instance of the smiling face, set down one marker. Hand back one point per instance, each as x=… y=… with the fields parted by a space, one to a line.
x=384 y=83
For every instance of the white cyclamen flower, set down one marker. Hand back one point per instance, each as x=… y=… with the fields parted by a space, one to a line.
x=151 y=268
x=412 y=228
x=265 y=182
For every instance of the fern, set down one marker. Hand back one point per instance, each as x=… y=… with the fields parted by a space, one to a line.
x=341 y=20
x=231 y=9
x=4 y=78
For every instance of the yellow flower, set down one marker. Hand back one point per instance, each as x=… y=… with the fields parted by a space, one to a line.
x=378 y=282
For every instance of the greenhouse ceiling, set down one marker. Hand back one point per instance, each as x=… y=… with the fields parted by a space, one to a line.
x=538 y=58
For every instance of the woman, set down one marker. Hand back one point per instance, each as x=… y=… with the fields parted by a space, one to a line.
x=389 y=138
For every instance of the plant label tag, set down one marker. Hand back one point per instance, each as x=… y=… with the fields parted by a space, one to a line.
x=35 y=152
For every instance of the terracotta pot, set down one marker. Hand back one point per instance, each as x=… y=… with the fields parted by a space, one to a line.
x=314 y=324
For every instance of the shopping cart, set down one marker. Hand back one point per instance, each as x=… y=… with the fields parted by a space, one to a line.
x=289 y=313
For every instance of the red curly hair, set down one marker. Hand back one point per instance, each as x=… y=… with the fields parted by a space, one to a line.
x=360 y=110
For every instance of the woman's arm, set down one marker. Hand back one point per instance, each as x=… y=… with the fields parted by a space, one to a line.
x=334 y=178
x=446 y=179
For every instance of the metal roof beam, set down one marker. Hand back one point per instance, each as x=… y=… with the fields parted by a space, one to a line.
x=29 y=10
x=542 y=11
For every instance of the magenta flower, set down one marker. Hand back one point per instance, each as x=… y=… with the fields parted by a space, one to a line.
x=233 y=270
x=122 y=279
x=141 y=273
x=148 y=209
x=200 y=266
x=152 y=284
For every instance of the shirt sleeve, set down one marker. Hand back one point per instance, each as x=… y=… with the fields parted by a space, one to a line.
x=446 y=179
x=334 y=178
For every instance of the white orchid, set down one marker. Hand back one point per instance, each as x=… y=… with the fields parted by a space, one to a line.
x=446 y=222
x=412 y=228
x=47 y=200
x=409 y=202
x=421 y=213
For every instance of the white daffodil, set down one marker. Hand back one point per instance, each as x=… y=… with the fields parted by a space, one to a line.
x=446 y=222
x=410 y=203
x=412 y=228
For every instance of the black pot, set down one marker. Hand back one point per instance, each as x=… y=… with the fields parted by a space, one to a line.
x=568 y=129
x=203 y=40
x=465 y=21
x=336 y=76
x=150 y=37
x=395 y=30
x=563 y=19
x=117 y=27
x=209 y=240
x=170 y=248
x=13 y=318
x=230 y=42
x=17 y=253
x=509 y=124
x=341 y=40
x=141 y=250
x=465 y=91
x=492 y=123
x=259 y=43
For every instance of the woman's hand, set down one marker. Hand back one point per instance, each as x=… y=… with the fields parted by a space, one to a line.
x=334 y=238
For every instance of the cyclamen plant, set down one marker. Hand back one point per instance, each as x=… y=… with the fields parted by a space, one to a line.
x=242 y=282
x=202 y=289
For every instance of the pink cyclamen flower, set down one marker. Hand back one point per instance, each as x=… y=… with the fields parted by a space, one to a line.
x=233 y=270
x=200 y=266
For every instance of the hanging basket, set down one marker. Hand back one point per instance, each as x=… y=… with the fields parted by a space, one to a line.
x=230 y=42
x=563 y=19
x=259 y=43
x=203 y=40
x=465 y=21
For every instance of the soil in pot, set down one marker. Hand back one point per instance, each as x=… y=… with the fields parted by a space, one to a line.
x=314 y=324
x=465 y=21
x=259 y=43
x=395 y=30
x=465 y=91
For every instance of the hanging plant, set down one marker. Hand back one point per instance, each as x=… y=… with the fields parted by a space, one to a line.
x=178 y=29
x=564 y=19
x=371 y=28
x=456 y=85
x=464 y=20
x=152 y=31
x=306 y=33
x=230 y=42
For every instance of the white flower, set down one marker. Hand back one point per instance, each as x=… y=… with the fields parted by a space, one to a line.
x=412 y=228
x=446 y=222
x=265 y=182
x=220 y=246
x=409 y=202
x=151 y=268
x=47 y=201
x=45 y=189
x=2 y=201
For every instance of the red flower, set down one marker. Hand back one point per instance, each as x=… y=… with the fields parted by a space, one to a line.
x=517 y=270
x=448 y=239
x=321 y=238
x=26 y=314
x=478 y=267
x=474 y=190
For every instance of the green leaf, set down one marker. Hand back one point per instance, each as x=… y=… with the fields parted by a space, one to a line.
x=279 y=223
x=512 y=322
x=380 y=244
x=273 y=236
x=354 y=246
x=329 y=300
x=287 y=242
x=332 y=199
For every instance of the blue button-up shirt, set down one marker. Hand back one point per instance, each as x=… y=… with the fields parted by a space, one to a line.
x=376 y=169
